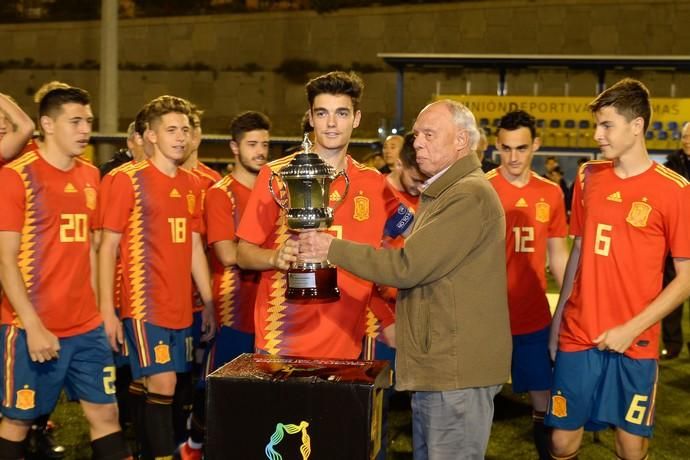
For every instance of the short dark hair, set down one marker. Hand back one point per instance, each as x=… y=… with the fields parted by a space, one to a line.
x=52 y=96
x=629 y=97
x=408 y=155
x=336 y=83
x=246 y=122
x=518 y=119
x=164 y=105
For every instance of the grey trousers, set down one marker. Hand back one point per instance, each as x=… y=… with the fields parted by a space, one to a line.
x=452 y=425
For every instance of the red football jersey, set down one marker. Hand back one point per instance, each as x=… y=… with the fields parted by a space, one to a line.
x=234 y=290
x=54 y=211
x=156 y=215
x=316 y=329
x=106 y=182
x=627 y=227
x=206 y=178
x=30 y=146
x=534 y=213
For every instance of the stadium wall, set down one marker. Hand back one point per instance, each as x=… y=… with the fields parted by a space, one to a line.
x=229 y=63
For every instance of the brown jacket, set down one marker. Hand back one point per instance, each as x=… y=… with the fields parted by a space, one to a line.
x=452 y=327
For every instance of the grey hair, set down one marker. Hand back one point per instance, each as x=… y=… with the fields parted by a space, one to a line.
x=464 y=119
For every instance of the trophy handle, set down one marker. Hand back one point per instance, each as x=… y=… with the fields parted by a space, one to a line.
x=347 y=188
x=270 y=189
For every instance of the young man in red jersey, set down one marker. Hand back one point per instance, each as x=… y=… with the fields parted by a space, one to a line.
x=184 y=392
x=627 y=213
x=234 y=290
x=153 y=217
x=52 y=333
x=321 y=329
x=16 y=128
x=206 y=177
x=535 y=227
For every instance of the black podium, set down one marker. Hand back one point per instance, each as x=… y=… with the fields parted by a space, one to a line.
x=276 y=408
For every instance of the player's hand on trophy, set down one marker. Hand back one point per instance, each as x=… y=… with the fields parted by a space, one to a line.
x=617 y=339
x=43 y=345
x=313 y=245
x=285 y=255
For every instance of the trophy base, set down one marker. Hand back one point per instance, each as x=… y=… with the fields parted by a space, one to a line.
x=313 y=284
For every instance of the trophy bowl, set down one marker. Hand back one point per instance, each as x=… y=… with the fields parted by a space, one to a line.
x=305 y=197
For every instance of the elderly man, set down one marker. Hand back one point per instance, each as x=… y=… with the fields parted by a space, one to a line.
x=453 y=333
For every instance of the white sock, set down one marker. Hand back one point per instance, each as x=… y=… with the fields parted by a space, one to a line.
x=194 y=445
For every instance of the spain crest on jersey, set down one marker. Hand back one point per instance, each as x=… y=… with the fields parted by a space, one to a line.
x=91 y=197
x=543 y=212
x=191 y=202
x=559 y=406
x=361 y=208
x=26 y=399
x=161 y=353
x=639 y=213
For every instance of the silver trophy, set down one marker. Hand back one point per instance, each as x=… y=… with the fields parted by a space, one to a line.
x=305 y=197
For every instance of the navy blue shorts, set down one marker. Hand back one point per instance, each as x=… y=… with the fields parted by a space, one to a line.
x=30 y=389
x=531 y=365
x=154 y=350
x=599 y=389
x=196 y=329
x=121 y=357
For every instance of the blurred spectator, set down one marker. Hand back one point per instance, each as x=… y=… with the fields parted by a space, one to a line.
x=482 y=146
x=391 y=152
x=555 y=173
x=671 y=328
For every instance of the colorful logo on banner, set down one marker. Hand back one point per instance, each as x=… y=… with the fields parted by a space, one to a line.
x=277 y=436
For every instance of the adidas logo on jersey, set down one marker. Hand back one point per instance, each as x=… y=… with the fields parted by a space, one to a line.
x=615 y=197
x=174 y=193
x=335 y=196
x=69 y=188
x=521 y=203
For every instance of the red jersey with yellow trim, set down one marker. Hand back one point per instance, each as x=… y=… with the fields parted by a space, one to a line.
x=316 y=329
x=207 y=177
x=534 y=213
x=234 y=290
x=54 y=212
x=106 y=182
x=627 y=227
x=381 y=311
x=156 y=215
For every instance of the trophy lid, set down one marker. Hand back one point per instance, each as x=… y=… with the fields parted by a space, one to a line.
x=307 y=164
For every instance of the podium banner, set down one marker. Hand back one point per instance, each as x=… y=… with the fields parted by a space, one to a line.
x=665 y=110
